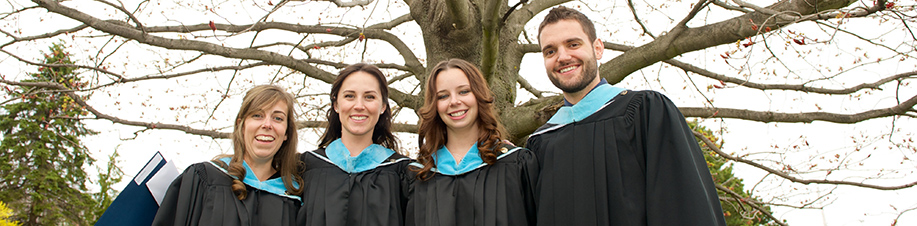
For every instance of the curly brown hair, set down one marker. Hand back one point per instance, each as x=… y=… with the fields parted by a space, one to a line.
x=432 y=132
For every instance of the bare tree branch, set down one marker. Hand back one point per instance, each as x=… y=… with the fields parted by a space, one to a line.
x=351 y=3
x=393 y=23
x=738 y=28
x=399 y=78
x=127 y=13
x=683 y=24
x=730 y=7
x=793 y=87
x=341 y=3
x=511 y=10
x=526 y=12
x=529 y=48
x=120 y=77
x=864 y=39
x=763 y=116
x=633 y=11
x=748 y=201
x=830 y=10
x=902 y=213
x=266 y=15
x=117 y=28
x=17 y=11
x=397 y=127
x=42 y=36
x=525 y=85
x=784 y=175
x=175 y=75
x=79 y=100
x=376 y=31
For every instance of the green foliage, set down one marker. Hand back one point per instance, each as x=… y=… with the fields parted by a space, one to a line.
x=735 y=209
x=106 y=194
x=41 y=156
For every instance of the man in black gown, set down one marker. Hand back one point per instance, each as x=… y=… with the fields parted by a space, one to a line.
x=611 y=156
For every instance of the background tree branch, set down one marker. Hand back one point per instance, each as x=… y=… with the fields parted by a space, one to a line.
x=787 y=176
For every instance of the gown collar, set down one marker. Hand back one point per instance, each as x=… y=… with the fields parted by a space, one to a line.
x=446 y=165
x=370 y=158
x=274 y=186
x=594 y=101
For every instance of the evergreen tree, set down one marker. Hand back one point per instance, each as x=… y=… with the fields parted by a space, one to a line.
x=41 y=156
x=107 y=178
x=736 y=209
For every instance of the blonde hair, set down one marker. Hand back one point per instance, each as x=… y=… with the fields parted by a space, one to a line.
x=286 y=160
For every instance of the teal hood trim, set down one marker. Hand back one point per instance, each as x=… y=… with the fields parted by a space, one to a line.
x=594 y=101
x=370 y=158
x=273 y=186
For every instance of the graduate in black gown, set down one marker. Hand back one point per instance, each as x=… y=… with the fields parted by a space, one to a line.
x=611 y=156
x=466 y=174
x=257 y=185
x=356 y=177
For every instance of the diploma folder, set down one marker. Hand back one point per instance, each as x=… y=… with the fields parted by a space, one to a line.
x=138 y=202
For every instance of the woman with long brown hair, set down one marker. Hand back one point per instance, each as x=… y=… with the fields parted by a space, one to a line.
x=466 y=173
x=258 y=184
x=356 y=177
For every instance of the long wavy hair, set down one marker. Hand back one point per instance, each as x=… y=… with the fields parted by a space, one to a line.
x=382 y=131
x=432 y=132
x=286 y=160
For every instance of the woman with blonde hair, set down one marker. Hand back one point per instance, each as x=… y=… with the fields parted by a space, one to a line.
x=258 y=184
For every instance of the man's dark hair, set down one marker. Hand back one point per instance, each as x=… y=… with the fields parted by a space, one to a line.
x=563 y=13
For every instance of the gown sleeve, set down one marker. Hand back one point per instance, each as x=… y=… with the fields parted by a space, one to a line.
x=679 y=188
x=180 y=205
x=529 y=176
x=407 y=180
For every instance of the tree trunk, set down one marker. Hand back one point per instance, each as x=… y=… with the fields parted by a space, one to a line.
x=446 y=35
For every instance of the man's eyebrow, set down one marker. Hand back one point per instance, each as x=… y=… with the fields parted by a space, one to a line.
x=569 y=40
x=547 y=47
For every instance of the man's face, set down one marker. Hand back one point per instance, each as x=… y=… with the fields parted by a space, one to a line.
x=570 y=59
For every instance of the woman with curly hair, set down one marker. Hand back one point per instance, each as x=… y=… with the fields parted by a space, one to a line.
x=466 y=174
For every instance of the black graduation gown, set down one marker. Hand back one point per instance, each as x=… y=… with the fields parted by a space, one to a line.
x=202 y=195
x=331 y=196
x=498 y=194
x=632 y=162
